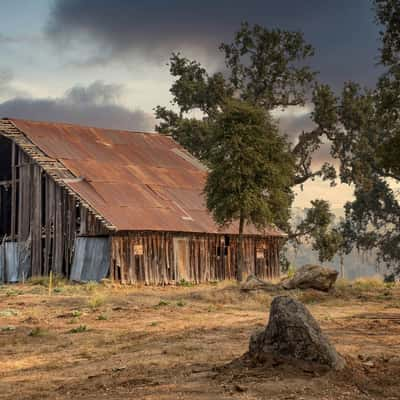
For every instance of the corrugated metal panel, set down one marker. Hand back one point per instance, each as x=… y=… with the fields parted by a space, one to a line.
x=15 y=262
x=91 y=259
x=136 y=181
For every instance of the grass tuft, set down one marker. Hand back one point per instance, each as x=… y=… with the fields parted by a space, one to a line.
x=8 y=313
x=96 y=300
x=163 y=303
x=79 y=329
x=38 y=332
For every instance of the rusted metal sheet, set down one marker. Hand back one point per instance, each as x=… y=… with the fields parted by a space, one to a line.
x=136 y=181
x=91 y=260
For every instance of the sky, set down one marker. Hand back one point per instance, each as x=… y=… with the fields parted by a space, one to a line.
x=104 y=63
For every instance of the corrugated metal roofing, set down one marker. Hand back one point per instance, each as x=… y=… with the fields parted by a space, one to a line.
x=135 y=180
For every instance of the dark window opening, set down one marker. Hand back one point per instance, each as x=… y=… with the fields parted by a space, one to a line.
x=227 y=240
x=5 y=186
x=5 y=158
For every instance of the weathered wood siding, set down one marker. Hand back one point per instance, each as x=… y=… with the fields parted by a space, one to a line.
x=152 y=259
x=47 y=218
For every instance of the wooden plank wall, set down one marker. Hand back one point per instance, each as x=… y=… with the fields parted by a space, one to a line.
x=149 y=257
x=47 y=218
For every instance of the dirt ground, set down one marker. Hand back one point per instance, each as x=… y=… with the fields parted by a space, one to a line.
x=99 y=341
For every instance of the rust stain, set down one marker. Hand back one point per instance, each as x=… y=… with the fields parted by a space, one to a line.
x=137 y=181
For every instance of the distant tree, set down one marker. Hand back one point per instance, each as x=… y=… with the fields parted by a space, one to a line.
x=251 y=170
x=319 y=229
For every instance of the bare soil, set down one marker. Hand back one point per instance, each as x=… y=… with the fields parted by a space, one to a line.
x=94 y=341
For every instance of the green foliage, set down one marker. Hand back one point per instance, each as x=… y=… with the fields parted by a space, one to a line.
x=79 y=329
x=251 y=168
x=8 y=328
x=364 y=128
x=388 y=15
x=162 y=303
x=76 y=313
x=291 y=271
x=13 y=292
x=184 y=283
x=8 y=313
x=318 y=228
x=96 y=300
x=265 y=66
x=58 y=281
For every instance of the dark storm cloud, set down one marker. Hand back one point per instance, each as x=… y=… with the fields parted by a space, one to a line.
x=342 y=31
x=94 y=105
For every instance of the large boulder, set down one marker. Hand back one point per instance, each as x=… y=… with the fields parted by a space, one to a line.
x=292 y=334
x=254 y=283
x=312 y=277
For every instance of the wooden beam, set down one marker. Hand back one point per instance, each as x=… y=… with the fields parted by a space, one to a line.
x=13 y=191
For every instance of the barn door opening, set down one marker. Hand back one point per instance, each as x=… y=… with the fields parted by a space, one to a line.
x=181 y=256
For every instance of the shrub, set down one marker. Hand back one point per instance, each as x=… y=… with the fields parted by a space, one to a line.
x=184 y=283
x=8 y=313
x=162 y=303
x=96 y=300
x=79 y=329
x=291 y=271
x=76 y=313
x=369 y=283
x=7 y=328
x=58 y=281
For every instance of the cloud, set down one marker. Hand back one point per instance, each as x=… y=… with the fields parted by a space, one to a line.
x=95 y=105
x=153 y=28
x=293 y=121
x=135 y=31
x=7 y=85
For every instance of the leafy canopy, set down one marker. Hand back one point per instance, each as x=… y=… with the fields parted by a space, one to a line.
x=364 y=128
x=264 y=67
x=251 y=167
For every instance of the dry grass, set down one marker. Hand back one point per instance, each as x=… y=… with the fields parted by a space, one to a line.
x=109 y=341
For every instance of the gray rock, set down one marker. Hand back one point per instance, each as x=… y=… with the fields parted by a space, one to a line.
x=292 y=334
x=312 y=277
x=254 y=283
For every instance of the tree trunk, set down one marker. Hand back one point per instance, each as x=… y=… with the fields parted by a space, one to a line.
x=341 y=266
x=239 y=272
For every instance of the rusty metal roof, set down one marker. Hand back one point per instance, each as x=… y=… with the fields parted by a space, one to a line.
x=135 y=180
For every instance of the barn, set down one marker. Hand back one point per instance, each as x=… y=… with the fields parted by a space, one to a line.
x=90 y=203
